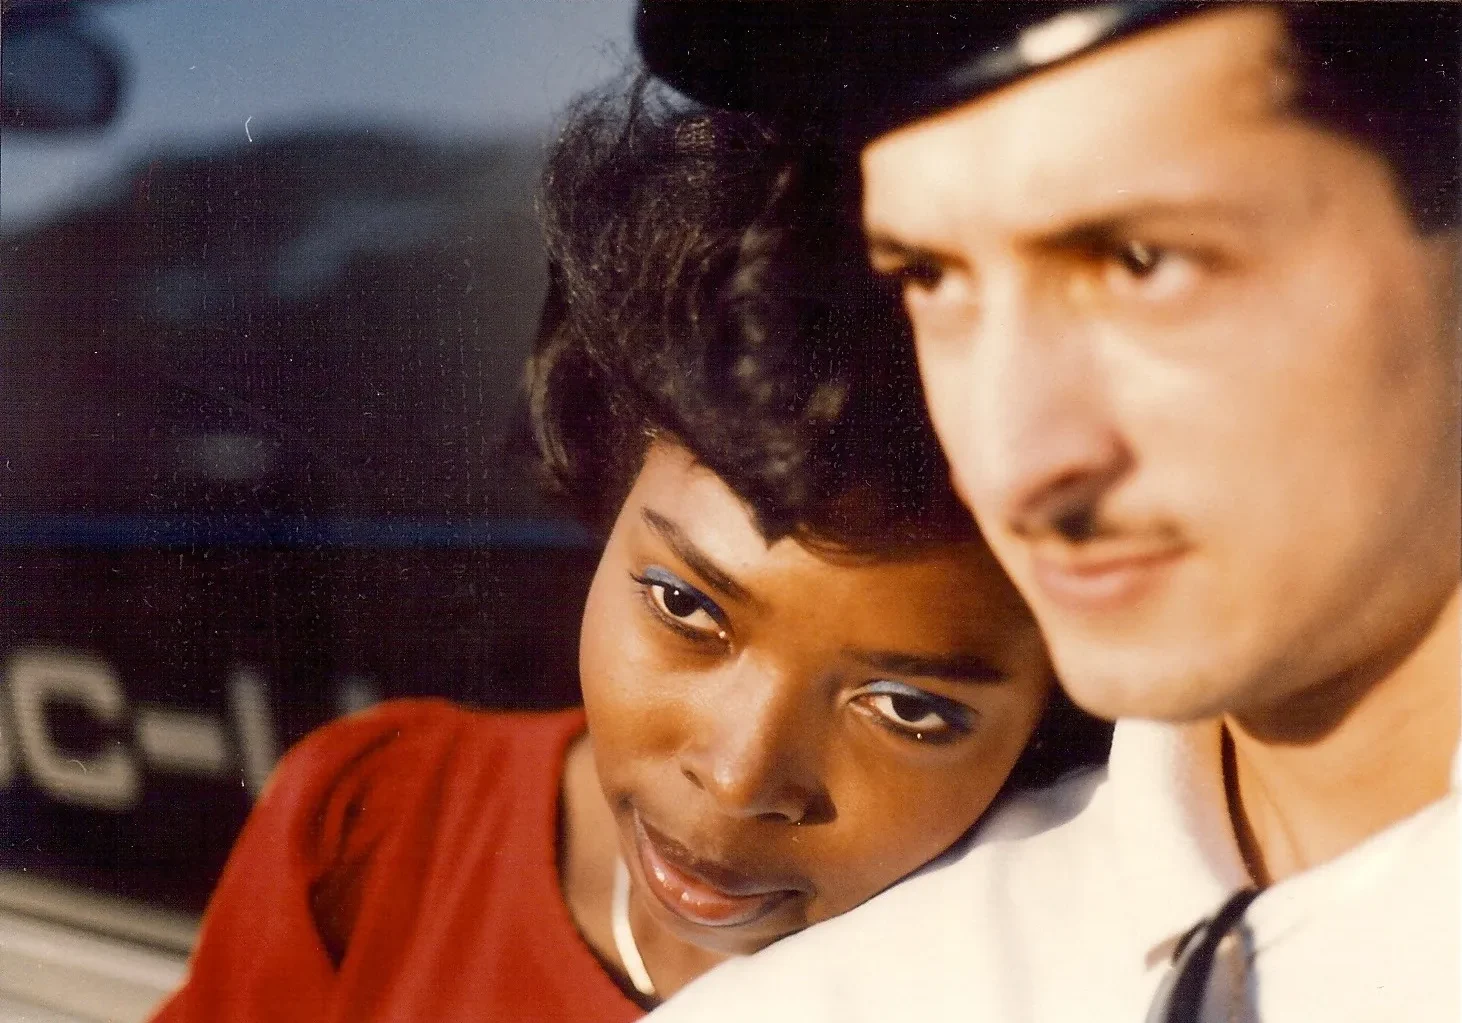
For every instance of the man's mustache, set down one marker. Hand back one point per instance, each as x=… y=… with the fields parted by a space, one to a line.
x=1091 y=524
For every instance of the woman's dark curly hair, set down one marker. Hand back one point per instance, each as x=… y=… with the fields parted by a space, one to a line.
x=676 y=236
x=707 y=286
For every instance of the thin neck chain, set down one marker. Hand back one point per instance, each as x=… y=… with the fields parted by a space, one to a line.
x=624 y=935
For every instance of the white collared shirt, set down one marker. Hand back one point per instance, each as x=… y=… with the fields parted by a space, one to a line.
x=1068 y=905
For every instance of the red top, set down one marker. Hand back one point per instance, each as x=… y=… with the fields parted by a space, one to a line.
x=401 y=865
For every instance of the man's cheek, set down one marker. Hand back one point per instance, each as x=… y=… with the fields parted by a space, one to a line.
x=950 y=411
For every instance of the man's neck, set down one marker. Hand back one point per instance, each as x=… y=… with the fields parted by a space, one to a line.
x=1297 y=805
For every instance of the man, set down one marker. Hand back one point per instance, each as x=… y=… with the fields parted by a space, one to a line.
x=1182 y=280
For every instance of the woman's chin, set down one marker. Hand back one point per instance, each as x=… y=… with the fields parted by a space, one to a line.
x=725 y=941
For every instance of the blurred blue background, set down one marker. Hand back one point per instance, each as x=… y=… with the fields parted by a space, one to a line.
x=263 y=454
x=197 y=71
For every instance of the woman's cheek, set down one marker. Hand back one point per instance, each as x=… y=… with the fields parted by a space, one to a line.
x=895 y=821
x=633 y=702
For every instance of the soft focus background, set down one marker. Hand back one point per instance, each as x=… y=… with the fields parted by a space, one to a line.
x=268 y=271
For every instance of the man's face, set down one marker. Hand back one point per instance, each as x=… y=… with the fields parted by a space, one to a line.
x=1193 y=368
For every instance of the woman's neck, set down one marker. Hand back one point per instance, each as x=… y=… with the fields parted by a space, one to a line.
x=1296 y=805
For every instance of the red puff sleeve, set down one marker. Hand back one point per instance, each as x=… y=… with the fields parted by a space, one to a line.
x=392 y=864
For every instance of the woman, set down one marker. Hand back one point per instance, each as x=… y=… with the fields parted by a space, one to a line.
x=804 y=676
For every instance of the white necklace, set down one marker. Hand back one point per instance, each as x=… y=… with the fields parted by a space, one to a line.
x=624 y=936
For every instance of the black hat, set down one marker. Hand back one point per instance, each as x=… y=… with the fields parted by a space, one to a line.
x=1382 y=71
x=870 y=64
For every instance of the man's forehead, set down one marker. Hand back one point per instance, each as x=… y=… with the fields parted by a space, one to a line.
x=1150 y=123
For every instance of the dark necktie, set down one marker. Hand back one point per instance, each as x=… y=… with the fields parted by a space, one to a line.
x=1180 y=996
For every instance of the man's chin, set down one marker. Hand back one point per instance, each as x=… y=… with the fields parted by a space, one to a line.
x=1113 y=683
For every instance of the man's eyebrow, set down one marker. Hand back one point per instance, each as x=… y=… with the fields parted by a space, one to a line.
x=1109 y=224
x=886 y=246
x=968 y=668
x=693 y=556
x=1096 y=227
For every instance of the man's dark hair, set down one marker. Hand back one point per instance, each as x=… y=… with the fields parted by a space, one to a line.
x=1386 y=75
x=707 y=286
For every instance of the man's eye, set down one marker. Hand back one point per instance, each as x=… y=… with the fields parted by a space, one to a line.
x=680 y=604
x=1149 y=272
x=916 y=714
x=1138 y=258
x=920 y=275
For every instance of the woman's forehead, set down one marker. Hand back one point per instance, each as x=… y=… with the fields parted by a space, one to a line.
x=675 y=494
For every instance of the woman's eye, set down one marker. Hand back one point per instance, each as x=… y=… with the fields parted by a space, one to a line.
x=908 y=712
x=680 y=604
x=917 y=714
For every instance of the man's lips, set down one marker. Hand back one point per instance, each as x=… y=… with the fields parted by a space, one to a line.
x=698 y=891
x=1101 y=578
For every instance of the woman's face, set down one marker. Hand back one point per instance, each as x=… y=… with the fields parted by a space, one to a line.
x=779 y=735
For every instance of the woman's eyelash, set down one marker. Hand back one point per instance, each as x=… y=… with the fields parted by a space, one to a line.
x=957 y=719
x=655 y=578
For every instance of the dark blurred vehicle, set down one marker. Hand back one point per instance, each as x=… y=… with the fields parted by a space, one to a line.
x=261 y=465
x=263 y=461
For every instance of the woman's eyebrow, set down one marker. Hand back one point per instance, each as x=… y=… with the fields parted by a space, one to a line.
x=968 y=668
x=693 y=556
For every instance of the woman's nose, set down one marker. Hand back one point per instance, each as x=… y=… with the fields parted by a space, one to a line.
x=756 y=755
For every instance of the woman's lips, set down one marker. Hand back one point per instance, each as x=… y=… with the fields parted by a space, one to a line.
x=700 y=892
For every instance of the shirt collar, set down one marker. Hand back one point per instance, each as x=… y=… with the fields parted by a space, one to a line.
x=1178 y=859
x=1177 y=855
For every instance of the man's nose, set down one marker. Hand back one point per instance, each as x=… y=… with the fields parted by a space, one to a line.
x=755 y=752
x=1043 y=432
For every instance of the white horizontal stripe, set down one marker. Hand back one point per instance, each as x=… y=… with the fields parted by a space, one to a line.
x=182 y=742
x=68 y=971
x=105 y=915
